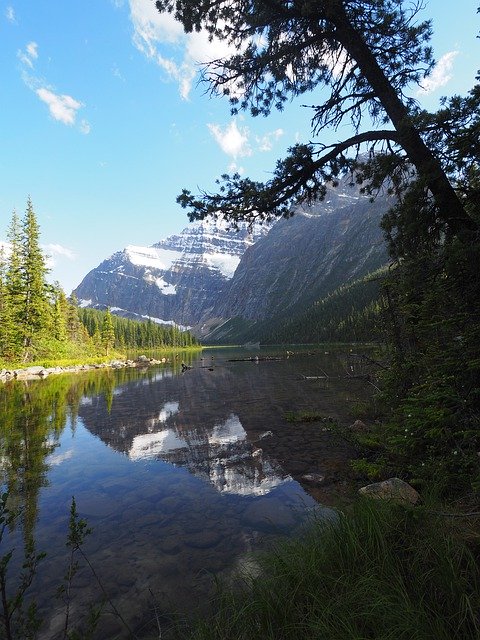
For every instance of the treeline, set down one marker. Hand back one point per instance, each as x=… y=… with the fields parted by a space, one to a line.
x=131 y=333
x=353 y=312
x=38 y=321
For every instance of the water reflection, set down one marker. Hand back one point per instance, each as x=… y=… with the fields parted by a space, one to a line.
x=223 y=456
x=179 y=474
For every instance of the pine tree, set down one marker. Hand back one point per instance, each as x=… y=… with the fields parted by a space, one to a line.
x=73 y=320
x=362 y=57
x=60 y=313
x=8 y=342
x=108 y=333
x=34 y=311
x=14 y=289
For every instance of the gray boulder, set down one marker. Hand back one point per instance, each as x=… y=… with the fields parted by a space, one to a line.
x=393 y=489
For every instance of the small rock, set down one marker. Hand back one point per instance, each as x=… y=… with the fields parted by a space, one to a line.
x=265 y=434
x=358 y=425
x=315 y=478
x=393 y=489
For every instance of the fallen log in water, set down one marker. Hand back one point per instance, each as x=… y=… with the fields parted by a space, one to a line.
x=254 y=359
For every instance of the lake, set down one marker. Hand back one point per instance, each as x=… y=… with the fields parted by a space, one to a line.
x=181 y=474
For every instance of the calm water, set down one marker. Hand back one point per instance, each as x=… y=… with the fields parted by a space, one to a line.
x=180 y=474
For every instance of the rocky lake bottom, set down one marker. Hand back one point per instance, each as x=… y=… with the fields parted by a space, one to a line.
x=180 y=474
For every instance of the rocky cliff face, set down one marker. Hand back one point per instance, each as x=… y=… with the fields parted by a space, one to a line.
x=179 y=279
x=306 y=257
x=208 y=274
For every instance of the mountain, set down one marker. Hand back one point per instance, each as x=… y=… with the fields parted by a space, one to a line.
x=229 y=284
x=177 y=280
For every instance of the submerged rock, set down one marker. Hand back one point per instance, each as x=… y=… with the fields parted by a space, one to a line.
x=314 y=478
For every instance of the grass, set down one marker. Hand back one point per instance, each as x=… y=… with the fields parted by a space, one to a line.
x=383 y=572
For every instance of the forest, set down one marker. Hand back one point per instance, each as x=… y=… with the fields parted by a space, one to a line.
x=38 y=323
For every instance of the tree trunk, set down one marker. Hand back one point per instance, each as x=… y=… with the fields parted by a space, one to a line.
x=429 y=168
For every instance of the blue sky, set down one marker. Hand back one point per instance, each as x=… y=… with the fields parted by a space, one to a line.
x=103 y=121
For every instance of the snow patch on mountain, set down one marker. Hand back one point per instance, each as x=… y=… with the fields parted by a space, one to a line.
x=126 y=312
x=151 y=257
x=166 y=288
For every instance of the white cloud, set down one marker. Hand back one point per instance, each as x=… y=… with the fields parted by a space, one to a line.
x=62 y=107
x=59 y=250
x=232 y=140
x=117 y=73
x=10 y=14
x=29 y=55
x=265 y=142
x=85 y=127
x=55 y=251
x=234 y=168
x=440 y=75
x=152 y=27
x=32 y=50
x=155 y=32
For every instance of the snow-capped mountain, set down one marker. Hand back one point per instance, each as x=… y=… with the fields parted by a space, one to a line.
x=178 y=279
x=209 y=274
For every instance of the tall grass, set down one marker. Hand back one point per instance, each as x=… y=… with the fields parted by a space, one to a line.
x=383 y=572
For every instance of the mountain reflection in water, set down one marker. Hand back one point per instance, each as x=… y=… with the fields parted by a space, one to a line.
x=179 y=475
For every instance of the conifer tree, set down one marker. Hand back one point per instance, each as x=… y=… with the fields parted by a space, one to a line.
x=14 y=287
x=34 y=311
x=108 y=333
x=60 y=313
x=363 y=56
x=73 y=321
x=8 y=343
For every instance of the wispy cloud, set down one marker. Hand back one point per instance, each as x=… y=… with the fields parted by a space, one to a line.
x=265 y=142
x=32 y=50
x=233 y=167
x=441 y=74
x=62 y=107
x=85 y=127
x=10 y=15
x=60 y=250
x=237 y=142
x=161 y=38
x=233 y=141
x=29 y=55
x=117 y=73
x=54 y=252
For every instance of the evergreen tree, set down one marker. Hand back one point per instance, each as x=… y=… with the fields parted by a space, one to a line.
x=33 y=311
x=73 y=320
x=8 y=342
x=60 y=313
x=108 y=333
x=364 y=55
x=14 y=288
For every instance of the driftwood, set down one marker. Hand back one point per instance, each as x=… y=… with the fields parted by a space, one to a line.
x=362 y=356
x=254 y=359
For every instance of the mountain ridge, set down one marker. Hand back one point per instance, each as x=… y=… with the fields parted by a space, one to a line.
x=208 y=274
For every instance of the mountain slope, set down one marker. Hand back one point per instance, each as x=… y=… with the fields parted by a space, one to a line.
x=230 y=284
x=178 y=279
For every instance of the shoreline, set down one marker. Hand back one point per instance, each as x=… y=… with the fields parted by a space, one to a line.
x=40 y=373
